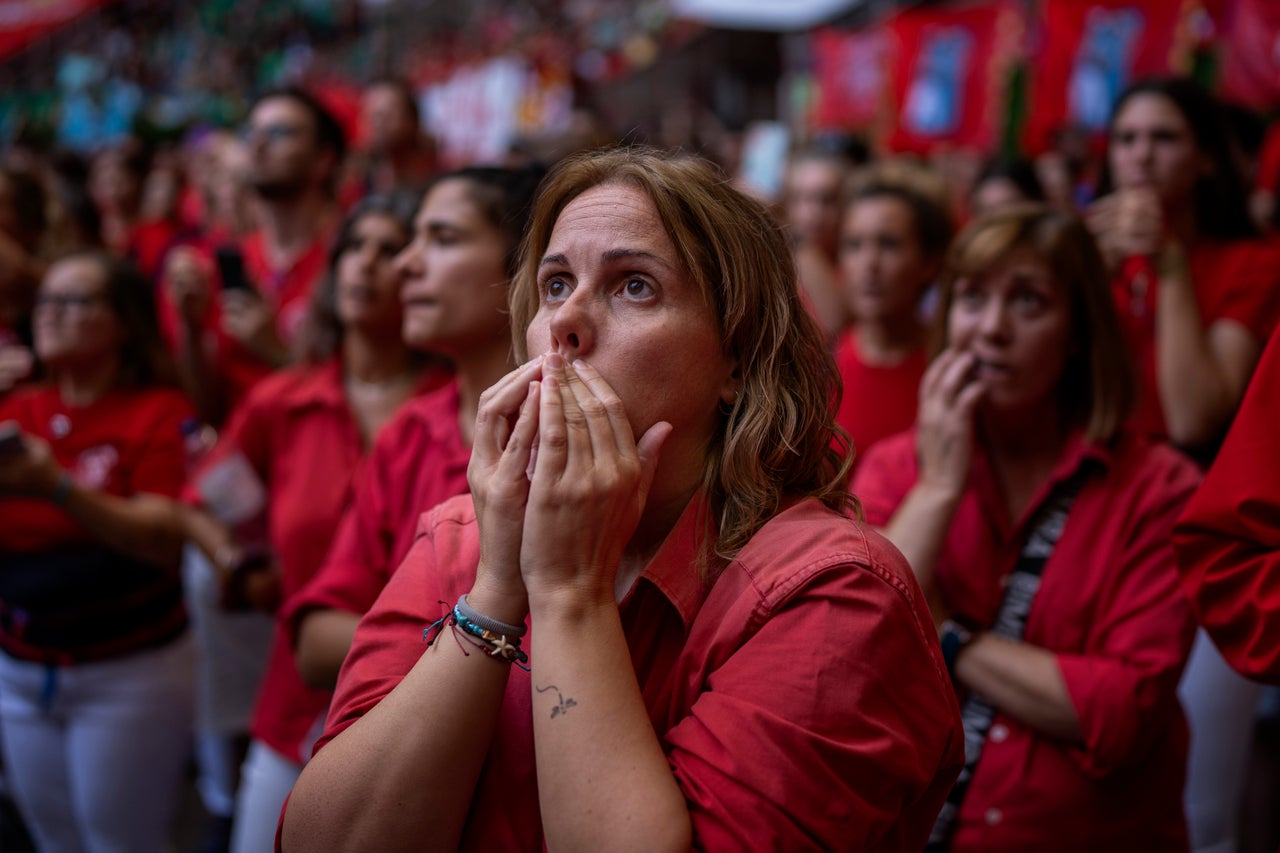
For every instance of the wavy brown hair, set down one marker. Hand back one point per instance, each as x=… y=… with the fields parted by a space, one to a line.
x=776 y=443
x=1096 y=389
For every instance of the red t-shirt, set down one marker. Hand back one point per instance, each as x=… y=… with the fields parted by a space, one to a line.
x=800 y=698
x=299 y=436
x=1237 y=280
x=418 y=461
x=1109 y=609
x=878 y=401
x=1228 y=540
x=64 y=596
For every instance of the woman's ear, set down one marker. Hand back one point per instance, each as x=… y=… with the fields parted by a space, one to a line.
x=731 y=388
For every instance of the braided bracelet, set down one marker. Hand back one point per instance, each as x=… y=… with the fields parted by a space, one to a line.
x=497 y=645
x=501 y=645
x=465 y=608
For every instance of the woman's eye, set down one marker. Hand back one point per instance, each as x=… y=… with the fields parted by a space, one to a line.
x=637 y=287
x=555 y=288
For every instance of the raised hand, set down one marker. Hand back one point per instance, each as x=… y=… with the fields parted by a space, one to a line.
x=501 y=454
x=589 y=488
x=949 y=396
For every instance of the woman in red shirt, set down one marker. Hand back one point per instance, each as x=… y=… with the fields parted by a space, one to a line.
x=720 y=658
x=1196 y=291
x=95 y=670
x=893 y=237
x=298 y=440
x=456 y=272
x=1084 y=744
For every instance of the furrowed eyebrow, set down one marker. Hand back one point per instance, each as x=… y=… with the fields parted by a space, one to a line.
x=618 y=254
x=553 y=259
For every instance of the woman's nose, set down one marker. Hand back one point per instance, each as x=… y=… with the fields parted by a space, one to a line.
x=409 y=261
x=572 y=326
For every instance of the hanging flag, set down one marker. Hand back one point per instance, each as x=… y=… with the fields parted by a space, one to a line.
x=949 y=73
x=1250 y=72
x=1087 y=52
x=851 y=71
x=22 y=22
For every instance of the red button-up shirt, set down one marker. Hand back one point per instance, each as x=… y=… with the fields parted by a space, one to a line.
x=800 y=698
x=298 y=434
x=418 y=461
x=1110 y=610
x=1228 y=542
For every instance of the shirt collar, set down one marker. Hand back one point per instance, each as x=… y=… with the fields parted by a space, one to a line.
x=1078 y=452
x=672 y=571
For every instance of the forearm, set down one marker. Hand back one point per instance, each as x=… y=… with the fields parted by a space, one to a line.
x=199 y=380
x=919 y=528
x=1021 y=680
x=211 y=536
x=145 y=527
x=1196 y=394
x=324 y=638
x=603 y=779
x=403 y=776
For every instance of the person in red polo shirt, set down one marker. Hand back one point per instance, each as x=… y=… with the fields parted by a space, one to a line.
x=455 y=270
x=234 y=321
x=95 y=660
x=721 y=658
x=302 y=434
x=1065 y=638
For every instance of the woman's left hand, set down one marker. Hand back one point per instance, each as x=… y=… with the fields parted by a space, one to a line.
x=590 y=483
x=31 y=472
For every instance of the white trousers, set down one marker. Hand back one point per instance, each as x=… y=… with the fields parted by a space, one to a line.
x=96 y=754
x=1220 y=705
x=265 y=782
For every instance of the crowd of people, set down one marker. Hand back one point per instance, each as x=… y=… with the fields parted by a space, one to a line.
x=600 y=504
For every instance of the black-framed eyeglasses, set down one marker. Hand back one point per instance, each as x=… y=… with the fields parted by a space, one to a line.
x=63 y=301
x=269 y=133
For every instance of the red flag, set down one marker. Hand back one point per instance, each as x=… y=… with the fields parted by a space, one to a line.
x=22 y=22
x=950 y=70
x=1089 y=51
x=851 y=72
x=1251 y=64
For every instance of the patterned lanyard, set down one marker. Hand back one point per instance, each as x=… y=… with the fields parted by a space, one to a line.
x=1023 y=582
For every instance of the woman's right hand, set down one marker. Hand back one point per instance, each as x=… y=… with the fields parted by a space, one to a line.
x=1126 y=223
x=949 y=396
x=502 y=451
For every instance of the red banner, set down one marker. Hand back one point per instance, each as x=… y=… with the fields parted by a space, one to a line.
x=22 y=22
x=851 y=70
x=1251 y=65
x=950 y=70
x=1088 y=51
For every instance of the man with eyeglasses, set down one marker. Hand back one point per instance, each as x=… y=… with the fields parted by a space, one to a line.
x=237 y=308
x=234 y=309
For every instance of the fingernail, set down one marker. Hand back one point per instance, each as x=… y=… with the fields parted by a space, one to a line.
x=555 y=361
x=579 y=365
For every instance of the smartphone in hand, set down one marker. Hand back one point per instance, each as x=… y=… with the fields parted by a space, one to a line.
x=231 y=270
x=11 y=440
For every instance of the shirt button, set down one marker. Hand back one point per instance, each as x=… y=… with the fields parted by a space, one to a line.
x=999 y=733
x=993 y=816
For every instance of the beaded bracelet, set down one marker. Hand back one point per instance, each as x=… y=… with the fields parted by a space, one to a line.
x=464 y=607
x=495 y=644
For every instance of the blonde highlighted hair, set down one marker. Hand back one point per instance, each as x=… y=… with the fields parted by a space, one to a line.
x=1096 y=389
x=776 y=442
